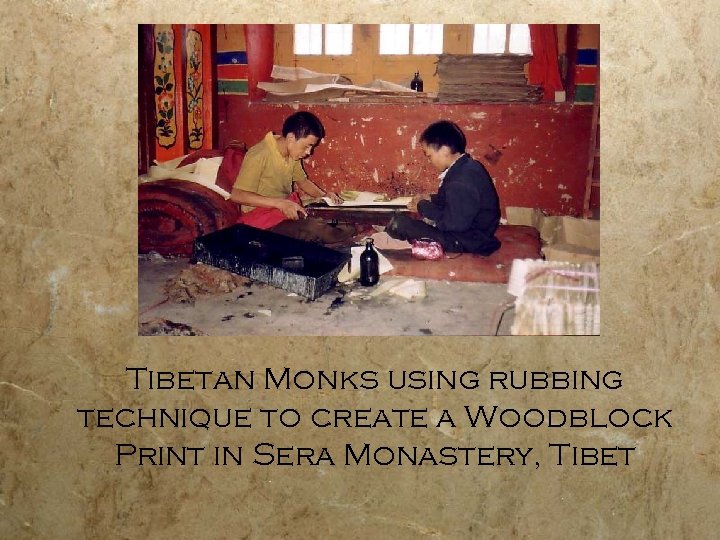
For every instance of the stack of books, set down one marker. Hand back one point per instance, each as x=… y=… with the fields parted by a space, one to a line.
x=485 y=77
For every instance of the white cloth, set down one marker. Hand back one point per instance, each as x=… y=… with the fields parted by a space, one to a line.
x=203 y=171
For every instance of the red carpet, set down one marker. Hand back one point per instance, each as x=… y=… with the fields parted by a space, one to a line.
x=518 y=242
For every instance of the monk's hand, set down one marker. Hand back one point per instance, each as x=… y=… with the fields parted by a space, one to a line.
x=334 y=197
x=413 y=204
x=292 y=210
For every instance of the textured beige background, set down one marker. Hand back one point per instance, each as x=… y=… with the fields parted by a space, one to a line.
x=68 y=307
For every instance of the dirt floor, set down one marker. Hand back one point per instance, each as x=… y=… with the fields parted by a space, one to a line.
x=177 y=298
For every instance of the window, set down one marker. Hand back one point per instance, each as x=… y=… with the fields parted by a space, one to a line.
x=425 y=38
x=501 y=39
x=329 y=39
x=394 y=38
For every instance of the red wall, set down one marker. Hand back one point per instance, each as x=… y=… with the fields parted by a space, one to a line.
x=536 y=153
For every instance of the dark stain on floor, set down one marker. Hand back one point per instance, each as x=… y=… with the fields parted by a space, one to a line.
x=164 y=327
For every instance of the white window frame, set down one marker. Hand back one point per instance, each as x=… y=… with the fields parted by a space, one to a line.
x=400 y=39
x=436 y=42
x=322 y=40
x=516 y=39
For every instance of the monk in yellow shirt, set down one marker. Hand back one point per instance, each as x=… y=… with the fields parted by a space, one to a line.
x=266 y=178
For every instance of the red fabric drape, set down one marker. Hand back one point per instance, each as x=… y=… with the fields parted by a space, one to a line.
x=265 y=218
x=543 y=68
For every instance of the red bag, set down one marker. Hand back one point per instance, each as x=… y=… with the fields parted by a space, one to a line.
x=428 y=250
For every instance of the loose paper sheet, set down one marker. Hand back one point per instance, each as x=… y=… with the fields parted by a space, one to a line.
x=367 y=198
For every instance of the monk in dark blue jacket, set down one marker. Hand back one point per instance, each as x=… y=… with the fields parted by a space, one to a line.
x=465 y=212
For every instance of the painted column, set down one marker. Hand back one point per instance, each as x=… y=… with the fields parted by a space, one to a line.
x=231 y=61
x=587 y=63
x=259 y=40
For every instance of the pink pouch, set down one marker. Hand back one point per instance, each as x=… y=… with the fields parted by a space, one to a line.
x=427 y=250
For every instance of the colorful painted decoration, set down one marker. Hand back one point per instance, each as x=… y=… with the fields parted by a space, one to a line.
x=232 y=73
x=586 y=73
x=164 y=75
x=194 y=88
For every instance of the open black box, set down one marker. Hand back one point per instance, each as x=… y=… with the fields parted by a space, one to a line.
x=305 y=268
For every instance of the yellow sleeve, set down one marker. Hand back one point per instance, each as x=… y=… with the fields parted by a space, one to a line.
x=248 y=179
x=298 y=173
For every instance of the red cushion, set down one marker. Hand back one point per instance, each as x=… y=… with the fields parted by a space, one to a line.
x=230 y=167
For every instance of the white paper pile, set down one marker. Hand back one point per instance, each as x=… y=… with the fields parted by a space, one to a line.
x=555 y=298
x=294 y=73
x=289 y=81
